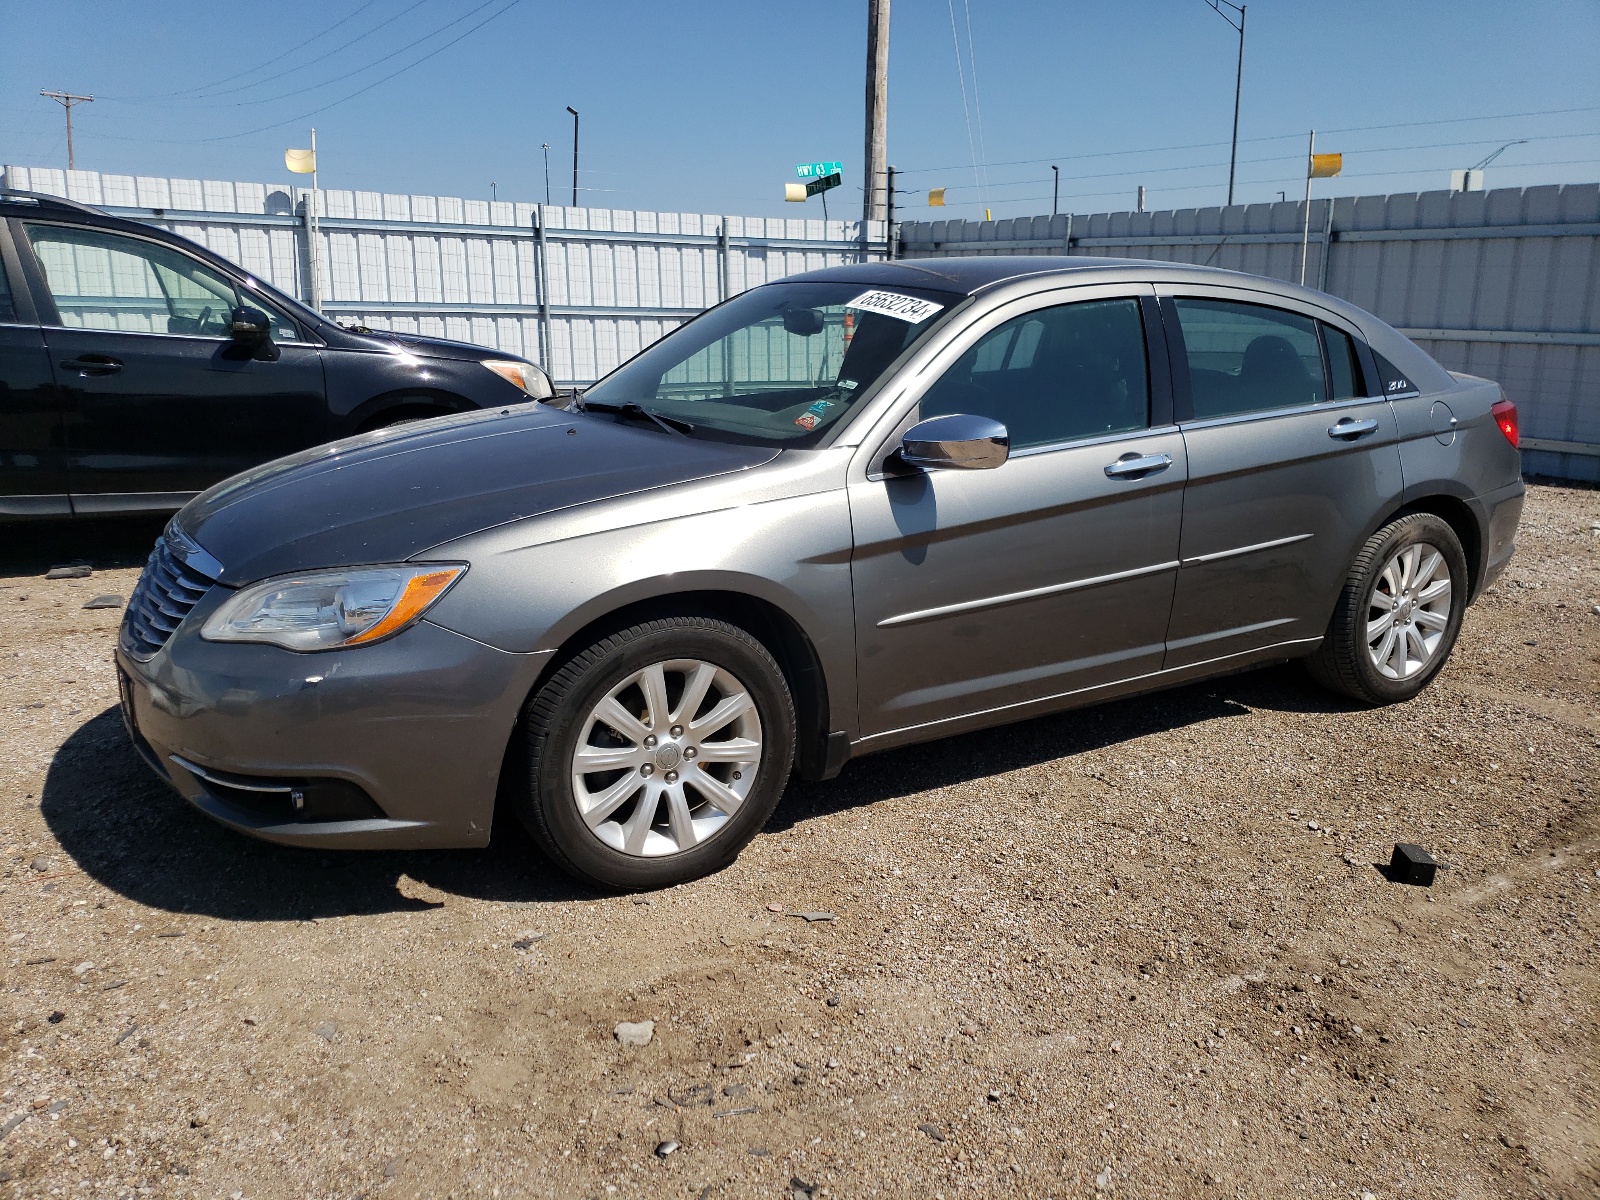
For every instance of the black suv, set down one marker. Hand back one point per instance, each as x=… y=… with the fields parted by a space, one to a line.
x=137 y=368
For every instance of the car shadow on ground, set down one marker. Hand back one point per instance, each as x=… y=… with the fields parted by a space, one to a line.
x=132 y=834
x=990 y=752
x=107 y=544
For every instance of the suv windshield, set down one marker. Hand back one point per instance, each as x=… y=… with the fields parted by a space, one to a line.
x=779 y=365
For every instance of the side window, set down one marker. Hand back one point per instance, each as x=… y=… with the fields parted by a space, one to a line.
x=1344 y=372
x=1246 y=358
x=1073 y=371
x=106 y=281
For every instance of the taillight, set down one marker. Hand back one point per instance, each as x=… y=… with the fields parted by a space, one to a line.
x=1505 y=416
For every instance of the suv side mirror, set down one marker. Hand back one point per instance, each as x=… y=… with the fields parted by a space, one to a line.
x=250 y=326
x=956 y=442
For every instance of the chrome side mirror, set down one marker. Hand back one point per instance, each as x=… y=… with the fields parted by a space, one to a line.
x=955 y=442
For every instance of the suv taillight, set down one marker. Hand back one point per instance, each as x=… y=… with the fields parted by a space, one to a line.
x=1505 y=416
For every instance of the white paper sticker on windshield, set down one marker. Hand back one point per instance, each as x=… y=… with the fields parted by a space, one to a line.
x=890 y=304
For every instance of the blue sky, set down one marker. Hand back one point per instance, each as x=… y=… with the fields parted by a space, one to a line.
x=707 y=106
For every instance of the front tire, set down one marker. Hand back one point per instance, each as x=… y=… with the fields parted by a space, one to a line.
x=1398 y=614
x=657 y=753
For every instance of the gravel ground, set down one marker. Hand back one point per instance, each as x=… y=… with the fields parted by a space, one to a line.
x=1140 y=949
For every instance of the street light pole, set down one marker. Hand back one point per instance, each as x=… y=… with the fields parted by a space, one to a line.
x=1055 y=192
x=574 y=113
x=67 y=100
x=546 y=146
x=1238 y=82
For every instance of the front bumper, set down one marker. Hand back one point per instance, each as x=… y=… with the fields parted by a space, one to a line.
x=419 y=724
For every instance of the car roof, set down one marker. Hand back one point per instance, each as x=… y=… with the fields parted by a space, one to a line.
x=42 y=200
x=976 y=273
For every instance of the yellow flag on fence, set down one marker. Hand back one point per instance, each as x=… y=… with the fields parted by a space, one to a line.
x=301 y=162
x=1326 y=166
x=935 y=197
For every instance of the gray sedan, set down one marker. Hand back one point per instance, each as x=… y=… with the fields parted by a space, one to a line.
x=856 y=509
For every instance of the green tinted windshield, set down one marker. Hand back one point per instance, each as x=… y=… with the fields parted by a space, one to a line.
x=781 y=364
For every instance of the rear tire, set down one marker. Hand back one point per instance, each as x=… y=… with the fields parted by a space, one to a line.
x=1398 y=614
x=657 y=753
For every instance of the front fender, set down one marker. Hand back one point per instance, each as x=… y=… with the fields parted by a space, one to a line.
x=793 y=553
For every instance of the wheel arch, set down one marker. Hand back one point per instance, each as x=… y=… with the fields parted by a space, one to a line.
x=777 y=629
x=402 y=403
x=1456 y=512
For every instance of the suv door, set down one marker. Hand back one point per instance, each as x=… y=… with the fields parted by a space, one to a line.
x=1289 y=463
x=980 y=591
x=159 y=402
x=33 y=464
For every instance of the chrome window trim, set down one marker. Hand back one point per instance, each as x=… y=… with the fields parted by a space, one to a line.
x=189 y=337
x=1099 y=439
x=1291 y=411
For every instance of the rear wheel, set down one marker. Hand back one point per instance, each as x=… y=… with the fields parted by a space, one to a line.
x=1398 y=615
x=658 y=753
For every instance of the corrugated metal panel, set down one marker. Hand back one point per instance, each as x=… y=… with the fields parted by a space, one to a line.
x=1504 y=284
x=469 y=269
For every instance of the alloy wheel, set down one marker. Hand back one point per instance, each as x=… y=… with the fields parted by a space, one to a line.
x=1409 y=611
x=666 y=758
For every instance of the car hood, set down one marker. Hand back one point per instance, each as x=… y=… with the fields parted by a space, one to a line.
x=390 y=495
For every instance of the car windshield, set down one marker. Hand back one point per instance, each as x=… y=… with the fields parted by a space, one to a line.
x=779 y=365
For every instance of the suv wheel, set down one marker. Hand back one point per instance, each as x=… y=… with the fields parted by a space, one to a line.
x=657 y=753
x=1399 y=613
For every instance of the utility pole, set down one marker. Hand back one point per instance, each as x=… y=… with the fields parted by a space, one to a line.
x=574 y=113
x=1055 y=193
x=67 y=100
x=1238 y=81
x=546 y=146
x=877 y=109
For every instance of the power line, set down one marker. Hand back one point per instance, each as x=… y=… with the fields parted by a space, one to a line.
x=228 y=137
x=368 y=66
x=1551 y=137
x=1020 y=162
x=961 y=77
x=206 y=87
x=339 y=49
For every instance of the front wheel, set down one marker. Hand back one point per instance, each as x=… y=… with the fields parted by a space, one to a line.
x=657 y=753
x=1398 y=615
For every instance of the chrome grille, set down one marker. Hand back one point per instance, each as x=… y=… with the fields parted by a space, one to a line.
x=167 y=590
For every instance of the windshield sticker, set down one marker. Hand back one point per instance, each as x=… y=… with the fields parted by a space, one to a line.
x=806 y=421
x=903 y=308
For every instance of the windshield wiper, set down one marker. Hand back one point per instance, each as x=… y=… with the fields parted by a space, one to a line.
x=671 y=424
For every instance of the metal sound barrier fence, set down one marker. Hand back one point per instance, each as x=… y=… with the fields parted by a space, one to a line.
x=1504 y=283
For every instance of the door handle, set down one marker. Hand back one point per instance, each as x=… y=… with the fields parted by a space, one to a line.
x=1349 y=428
x=1138 y=464
x=93 y=364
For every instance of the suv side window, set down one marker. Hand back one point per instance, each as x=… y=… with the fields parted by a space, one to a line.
x=1072 y=371
x=1246 y=358
x=8 y=306
x=104 y=280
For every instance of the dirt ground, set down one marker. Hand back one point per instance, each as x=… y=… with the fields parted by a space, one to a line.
x=1141 y=949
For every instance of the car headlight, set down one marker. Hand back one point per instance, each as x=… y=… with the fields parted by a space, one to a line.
x=525 y=375
x=328 y=610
